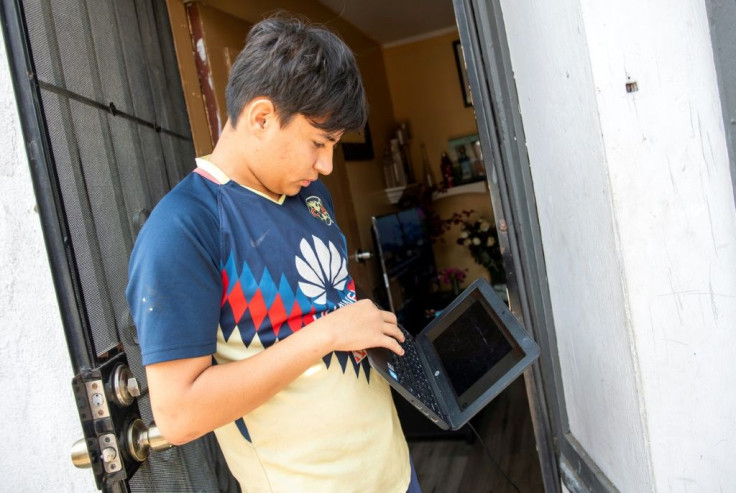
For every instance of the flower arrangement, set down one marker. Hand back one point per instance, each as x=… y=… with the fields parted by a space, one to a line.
x=453 y=277
x=479 y=235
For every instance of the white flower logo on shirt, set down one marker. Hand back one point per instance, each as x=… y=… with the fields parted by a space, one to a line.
x=321 y=268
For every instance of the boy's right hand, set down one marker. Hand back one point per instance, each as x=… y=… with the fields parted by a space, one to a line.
x=362 y=325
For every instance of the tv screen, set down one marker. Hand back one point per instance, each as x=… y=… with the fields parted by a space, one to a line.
x=402 y=239
x=407 y=261
x=414 y=228
x=390 y=241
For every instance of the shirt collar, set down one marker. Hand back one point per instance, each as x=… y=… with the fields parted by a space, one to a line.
x=219 y=177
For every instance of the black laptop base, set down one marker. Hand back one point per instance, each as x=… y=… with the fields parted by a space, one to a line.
x=472 y=351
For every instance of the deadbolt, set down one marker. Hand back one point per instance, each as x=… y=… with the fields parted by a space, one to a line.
x=124 y=385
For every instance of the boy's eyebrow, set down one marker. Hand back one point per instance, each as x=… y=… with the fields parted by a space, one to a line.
x=330 y=137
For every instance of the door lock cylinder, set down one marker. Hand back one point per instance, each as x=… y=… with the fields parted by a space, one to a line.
x=124 y=386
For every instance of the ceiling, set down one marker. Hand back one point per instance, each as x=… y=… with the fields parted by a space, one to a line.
x=392 y=21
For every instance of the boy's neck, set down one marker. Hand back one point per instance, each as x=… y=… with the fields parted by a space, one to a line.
x=231 y=156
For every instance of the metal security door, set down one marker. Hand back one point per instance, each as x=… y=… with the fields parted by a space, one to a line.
x=107 y=135
x=482 y=35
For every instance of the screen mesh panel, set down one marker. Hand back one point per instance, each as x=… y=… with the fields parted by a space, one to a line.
x=120 y=139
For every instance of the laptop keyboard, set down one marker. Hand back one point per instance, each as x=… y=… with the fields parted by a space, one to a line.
x=410 y=369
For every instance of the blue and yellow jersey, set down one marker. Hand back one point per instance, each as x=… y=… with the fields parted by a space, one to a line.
x=222 y=270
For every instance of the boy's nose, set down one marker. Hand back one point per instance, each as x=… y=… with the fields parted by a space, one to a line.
x=324 y=161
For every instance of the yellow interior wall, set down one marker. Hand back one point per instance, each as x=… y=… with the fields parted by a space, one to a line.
x=426 y=92
x=366 y=177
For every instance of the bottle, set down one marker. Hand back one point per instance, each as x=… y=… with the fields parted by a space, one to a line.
x=447 y=171
x=426 y=168
x=388 y=169
x=402 y=136
x=398 y=162
x=466 y=167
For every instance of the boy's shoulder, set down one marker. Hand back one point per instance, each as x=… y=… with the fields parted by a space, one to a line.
x=192 y=203
x=190 y=194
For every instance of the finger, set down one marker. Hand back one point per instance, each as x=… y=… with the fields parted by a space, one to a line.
x=393 y=345
x=394 y=331
x=390 y=317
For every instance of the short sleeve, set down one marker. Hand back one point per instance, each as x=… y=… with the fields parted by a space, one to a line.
x=175 y=285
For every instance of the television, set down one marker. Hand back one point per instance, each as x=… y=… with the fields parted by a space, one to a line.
x=404 y=249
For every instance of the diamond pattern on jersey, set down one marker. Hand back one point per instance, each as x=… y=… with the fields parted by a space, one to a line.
x=261 y=305
x=344 y=357
x=264 y=311
x=237 y=301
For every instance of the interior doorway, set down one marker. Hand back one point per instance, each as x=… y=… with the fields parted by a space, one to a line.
x=417 y=83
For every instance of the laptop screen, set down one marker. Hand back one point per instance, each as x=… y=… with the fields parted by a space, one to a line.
x=474 y=351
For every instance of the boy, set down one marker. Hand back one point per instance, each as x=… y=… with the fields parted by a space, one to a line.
x=246 y=314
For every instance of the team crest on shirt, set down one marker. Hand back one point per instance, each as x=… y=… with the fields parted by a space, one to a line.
x=318 y=210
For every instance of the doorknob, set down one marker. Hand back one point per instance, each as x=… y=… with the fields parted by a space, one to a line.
x=361 y=256
x=139 y=440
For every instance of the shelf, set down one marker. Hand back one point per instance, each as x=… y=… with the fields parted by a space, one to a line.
x=476 y=187
x=394 y=194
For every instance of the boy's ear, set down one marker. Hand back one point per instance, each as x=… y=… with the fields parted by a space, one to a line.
x=259 y=115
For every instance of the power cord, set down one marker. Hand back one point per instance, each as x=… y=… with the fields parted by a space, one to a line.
x=488 y=453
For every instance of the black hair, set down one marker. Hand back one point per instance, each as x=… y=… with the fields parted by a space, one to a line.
x=302 y=69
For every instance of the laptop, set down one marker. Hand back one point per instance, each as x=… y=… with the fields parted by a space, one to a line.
x=461 y=360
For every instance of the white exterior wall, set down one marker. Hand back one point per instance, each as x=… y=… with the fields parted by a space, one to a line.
x=40 y=421
x=639 y=230
x=674 y=206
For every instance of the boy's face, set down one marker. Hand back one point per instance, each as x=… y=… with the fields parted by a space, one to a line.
x=292 y=156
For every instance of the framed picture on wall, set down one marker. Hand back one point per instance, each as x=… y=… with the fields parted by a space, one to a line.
x=462 y=73
x=357 y=146
x=467 y=154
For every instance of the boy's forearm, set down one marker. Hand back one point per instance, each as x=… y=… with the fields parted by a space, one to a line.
x=193 y=397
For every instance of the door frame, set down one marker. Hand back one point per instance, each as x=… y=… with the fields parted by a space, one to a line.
x=721 y=17
x=483 y=36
